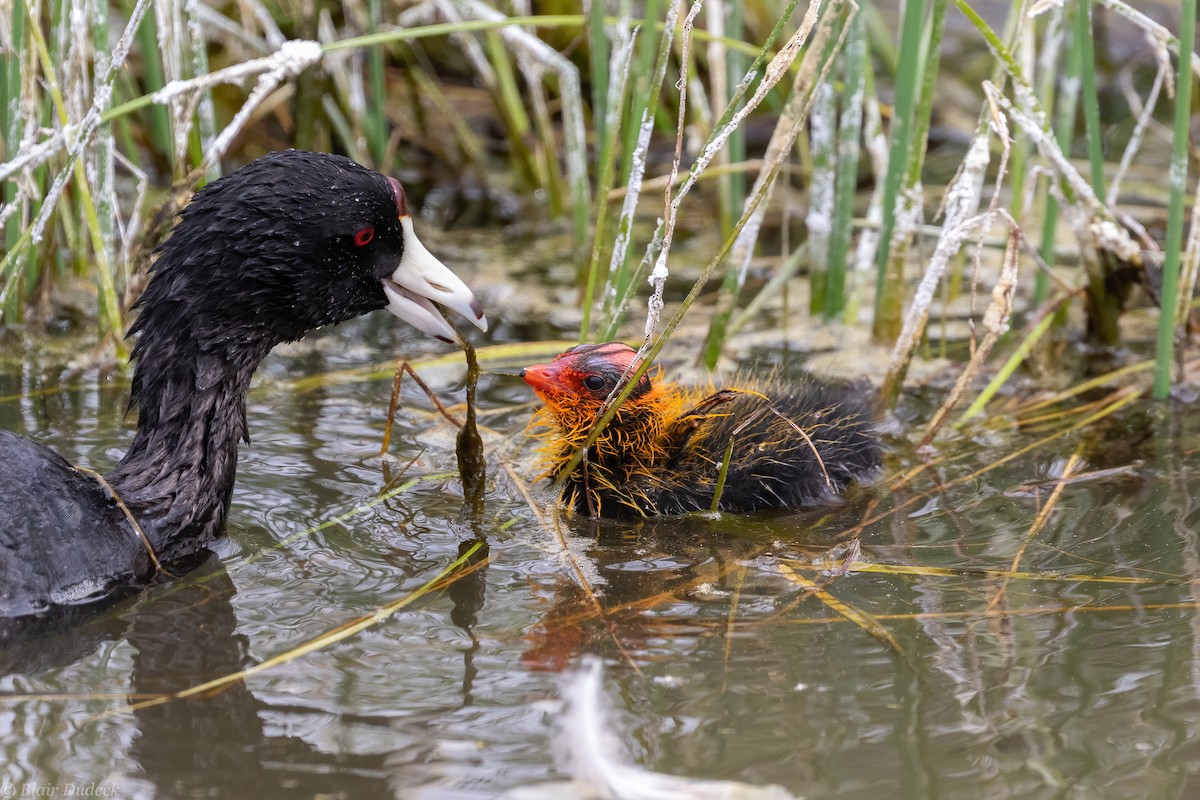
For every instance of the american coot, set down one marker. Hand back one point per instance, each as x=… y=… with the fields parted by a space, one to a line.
x=795 y=443
x=289 y=243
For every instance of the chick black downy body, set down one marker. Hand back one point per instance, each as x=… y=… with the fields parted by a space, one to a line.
x=778 y=444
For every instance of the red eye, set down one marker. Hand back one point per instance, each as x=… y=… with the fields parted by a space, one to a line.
x=364 y=237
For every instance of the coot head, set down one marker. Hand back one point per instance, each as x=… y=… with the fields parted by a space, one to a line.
x=292 y=242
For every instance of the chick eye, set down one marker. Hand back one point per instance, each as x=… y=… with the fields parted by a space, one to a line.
x=364 y=237
x=594 y=382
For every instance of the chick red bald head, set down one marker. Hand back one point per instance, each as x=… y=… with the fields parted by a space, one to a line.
x=585 y=375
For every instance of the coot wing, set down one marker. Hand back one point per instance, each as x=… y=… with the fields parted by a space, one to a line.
x=63 y=540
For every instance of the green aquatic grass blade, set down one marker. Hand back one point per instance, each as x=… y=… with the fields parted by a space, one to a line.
x=598 y=59
x=152 y=80
x=1164 y=357
x=376 y=122
x=1064 y=133
x=722 y=475
x=818 y=54
x=1104 y=309
x=519 y=127
x=887 y=287
x=624 y=292
x=604 y=178
x=1010 y=366
x=733 y=185
x=822 y=192
x=13 y=122
x=644 y=99
x=848 y=137
x=1091 y=102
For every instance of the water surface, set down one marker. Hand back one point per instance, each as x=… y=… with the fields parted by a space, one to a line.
x=1080 y=679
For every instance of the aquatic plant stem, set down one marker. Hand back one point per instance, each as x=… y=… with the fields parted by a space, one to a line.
x=1091 y=103
x=733 y=116
x=1064 y=131
x=598 y=52
x=644 y=98
x=1010 y=366
x=1164 y=357
x=848 y=134
x=376 y=110
x=887 y=287
x=110 y=308
x=819 y=55
x=1039 y=522
x=439 y=581
x=604 y=177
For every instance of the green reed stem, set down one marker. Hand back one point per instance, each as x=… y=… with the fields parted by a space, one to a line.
x=10 y=127
x=1064 y=133
x=1104 y=309
x=645 y=95
x=822 y=132
x=719 y=128
x=1178 y=177
x=1091 y=103
x=733 y=185
x=376 y=111
x=604 y=182
x=890 y=306
x=849 y=134
x=598 y=50
x=152 y=81
x=887 y=287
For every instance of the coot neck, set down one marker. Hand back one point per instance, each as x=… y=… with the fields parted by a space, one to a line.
x=177 y=477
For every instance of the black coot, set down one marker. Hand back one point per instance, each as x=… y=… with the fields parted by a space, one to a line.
x=289 y=243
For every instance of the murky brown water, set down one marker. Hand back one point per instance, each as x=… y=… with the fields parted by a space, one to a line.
x=1081 y=679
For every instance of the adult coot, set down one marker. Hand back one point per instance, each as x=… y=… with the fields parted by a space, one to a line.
x=289 y=243
x=789 y=444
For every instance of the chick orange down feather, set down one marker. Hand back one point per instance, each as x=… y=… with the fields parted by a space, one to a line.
x=789 y=445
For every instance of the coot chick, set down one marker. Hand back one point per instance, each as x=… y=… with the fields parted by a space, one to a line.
x=287 y=244
x=795 y=444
